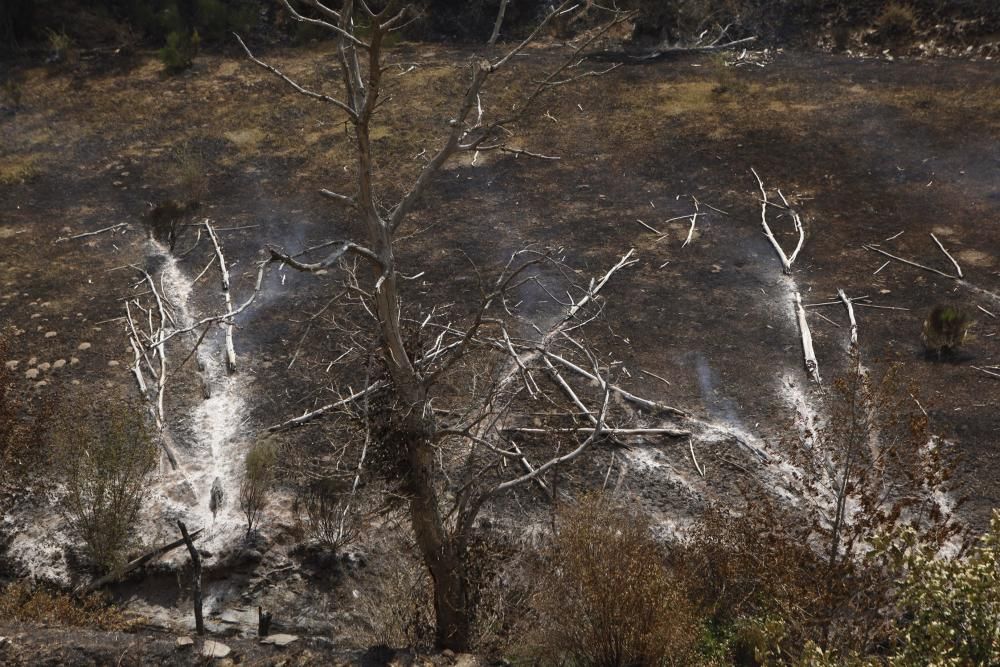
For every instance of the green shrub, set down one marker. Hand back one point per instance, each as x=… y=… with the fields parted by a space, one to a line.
x=104 y=463
x=178 y=55
x=61 y=46
x=951 y=607
x=258 y=479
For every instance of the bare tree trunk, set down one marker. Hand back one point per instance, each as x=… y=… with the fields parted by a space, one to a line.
x=440 y=551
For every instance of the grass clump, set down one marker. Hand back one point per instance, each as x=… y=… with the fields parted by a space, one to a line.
x=15 y=169
x=945 y=330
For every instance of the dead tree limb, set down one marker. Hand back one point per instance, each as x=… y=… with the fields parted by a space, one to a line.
x=812 y=366
x=910 y=262
x=112 y=228
x=230 y=350
x=850 y=315
x=666 y=430
x=958 y=268
x=499 y=22
x=137 y=563
x=199 y=621
x=786 y=260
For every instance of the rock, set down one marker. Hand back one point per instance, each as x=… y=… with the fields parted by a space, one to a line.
x=83 y=346
x=112 y=363
x=279 y=639
x=73 y=361
x=12 y=364
x=32 y=361
x=213 y=649
x=58 y=363
x=44 y=366
x=184 y=642
x=31 y=373
x=231 y=616
x=51 y=334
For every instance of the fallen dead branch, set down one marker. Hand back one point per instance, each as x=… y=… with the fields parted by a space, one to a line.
x=958 y=268
x=701 y=470
x=112 y=228
x=786 y=260
x=138 y=562
x=808 y=354
x=672 y=432
x=850 y=315
x=228 y=324
x=654 y=56
x=991 y=373
x=910 y=262
x=694 y=220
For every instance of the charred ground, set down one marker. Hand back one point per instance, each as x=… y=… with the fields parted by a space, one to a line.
x=867 y=149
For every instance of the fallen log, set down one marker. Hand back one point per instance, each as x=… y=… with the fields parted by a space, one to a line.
x=135 y=564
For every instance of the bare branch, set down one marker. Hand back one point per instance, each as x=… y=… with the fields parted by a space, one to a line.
x=342 y=248
x=308 y=93
x=595 y=433
x=323 y=24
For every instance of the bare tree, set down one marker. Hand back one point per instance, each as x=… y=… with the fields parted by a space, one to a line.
x=412 y=437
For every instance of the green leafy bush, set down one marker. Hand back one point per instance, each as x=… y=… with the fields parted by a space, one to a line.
x=104 y=463
x=179 y=53
x=951 y=607
x=258 y=479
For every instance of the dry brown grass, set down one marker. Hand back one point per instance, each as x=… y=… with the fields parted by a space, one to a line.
x=22 y=603
x=605 y=595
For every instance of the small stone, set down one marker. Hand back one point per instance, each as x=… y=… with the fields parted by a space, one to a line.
x=43 y=383
x=112 y=363
x=44 y=366
x=12 y=364
x=279 y=639
x=34 y=315
x=75 y=382
x=184 y=642
x=83 y=346
x=32 y=361
x=31 y=373
x=73 y=361
x=50 y=334
x=213 y=649
x=58 y=363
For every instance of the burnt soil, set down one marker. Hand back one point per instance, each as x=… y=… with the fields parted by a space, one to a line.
x=864 y=149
